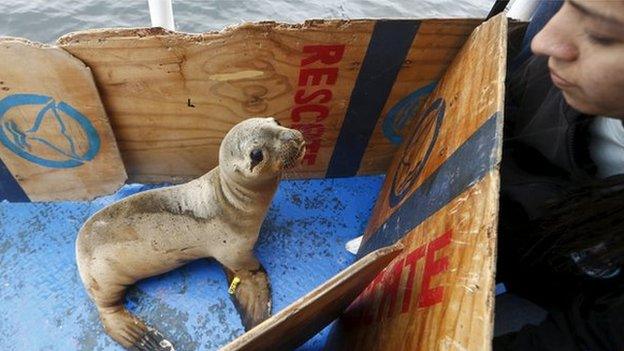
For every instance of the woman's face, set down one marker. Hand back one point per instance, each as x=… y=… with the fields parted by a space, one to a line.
x=585 y=45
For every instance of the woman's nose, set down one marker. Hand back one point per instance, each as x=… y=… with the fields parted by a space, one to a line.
x=556 y=39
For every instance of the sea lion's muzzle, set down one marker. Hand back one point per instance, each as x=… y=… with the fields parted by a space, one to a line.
x=293 y=147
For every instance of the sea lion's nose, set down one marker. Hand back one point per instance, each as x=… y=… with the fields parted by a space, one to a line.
x=291 y=135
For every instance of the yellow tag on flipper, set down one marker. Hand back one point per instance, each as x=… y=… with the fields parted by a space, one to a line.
x=234 y=285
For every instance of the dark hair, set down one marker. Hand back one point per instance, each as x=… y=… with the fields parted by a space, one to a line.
x=590 y=216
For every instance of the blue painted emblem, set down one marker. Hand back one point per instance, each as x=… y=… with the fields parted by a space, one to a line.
x=416 y=153
x=28 y=136
x=402 y=112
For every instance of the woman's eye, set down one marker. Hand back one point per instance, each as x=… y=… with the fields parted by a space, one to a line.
x=601 y=40
x=256 y=156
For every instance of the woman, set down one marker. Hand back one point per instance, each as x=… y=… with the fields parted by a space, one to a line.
x=562 y=181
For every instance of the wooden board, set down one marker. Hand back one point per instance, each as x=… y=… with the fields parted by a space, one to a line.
x=440 y=200
x=55 y=139
x=171 y=97
x=434 y=47
x=310 y=314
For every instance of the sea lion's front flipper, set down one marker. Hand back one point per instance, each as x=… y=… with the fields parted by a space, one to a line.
x=251 y=294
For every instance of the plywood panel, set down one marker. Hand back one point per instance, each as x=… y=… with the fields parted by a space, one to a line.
x=172 y=96
x=438 y=294
x=55 y=139
x=434 y=48
x=440 y=200
x=468 y=95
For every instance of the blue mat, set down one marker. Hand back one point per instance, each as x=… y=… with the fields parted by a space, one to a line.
x=43 y=305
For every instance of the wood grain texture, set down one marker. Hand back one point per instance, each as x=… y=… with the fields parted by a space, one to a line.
x=434 y=48
x=308 y=315
x=463 y=317
x=438 y=294
x=171 y=96
x=473 y=90
x=147 y=76
x=55 y=136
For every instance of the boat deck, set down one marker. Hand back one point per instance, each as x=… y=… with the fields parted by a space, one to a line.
x=43 y=305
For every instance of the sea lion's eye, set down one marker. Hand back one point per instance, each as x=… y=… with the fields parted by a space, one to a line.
x=256 y=156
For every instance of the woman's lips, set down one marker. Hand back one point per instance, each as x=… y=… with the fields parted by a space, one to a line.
x=559 y=81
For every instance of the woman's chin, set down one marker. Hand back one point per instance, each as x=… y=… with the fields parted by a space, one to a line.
x=580 y=104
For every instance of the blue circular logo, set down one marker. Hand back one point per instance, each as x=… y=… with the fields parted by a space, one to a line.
x=416 y=153
x=55 y=136
x=401 y=113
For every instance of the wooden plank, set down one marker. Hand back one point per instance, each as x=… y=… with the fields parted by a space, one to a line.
x=434 y=48
x=310 y=314
x=172 y=96
x=438 y=294
x=440 y=200
x=148 y=76
x=55 y=139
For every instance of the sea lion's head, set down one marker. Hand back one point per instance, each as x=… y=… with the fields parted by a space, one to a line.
x=260 y=149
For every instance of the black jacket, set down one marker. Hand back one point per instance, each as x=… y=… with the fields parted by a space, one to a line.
x=545 y=153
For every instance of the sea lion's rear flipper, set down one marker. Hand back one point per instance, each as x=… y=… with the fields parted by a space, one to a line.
x=152 y=340
x=131 y=332
x=251 y=294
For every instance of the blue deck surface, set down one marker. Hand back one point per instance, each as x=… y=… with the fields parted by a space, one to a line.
x=43 y=305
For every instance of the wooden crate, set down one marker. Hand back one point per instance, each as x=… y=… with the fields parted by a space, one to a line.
x=440 y=200
x=440 y=203
x=351 y=86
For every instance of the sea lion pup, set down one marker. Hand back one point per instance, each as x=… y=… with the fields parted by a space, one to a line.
x=216 y=215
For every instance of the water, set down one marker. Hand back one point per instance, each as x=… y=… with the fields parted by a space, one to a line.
x=46 y=20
